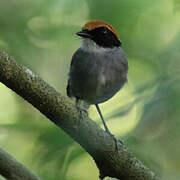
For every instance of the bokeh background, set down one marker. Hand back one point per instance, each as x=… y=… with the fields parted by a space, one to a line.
x=145 y=113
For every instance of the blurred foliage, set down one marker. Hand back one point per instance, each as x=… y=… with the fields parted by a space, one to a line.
x=145 y=113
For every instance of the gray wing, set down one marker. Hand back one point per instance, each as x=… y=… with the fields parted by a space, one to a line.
x=68 y=88
x=79 y=77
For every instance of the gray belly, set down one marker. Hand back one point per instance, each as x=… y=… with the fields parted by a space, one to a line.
x=98 y=89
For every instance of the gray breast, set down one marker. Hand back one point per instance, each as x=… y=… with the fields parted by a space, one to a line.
x=96 y=77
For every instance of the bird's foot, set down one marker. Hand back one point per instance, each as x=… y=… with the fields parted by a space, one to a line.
x=82 y=110
x=79 y=108
x=116 y=140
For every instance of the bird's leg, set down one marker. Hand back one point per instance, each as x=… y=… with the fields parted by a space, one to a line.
x=105 y=126
x=78 y=106
x=102 y=118
x=78 y=103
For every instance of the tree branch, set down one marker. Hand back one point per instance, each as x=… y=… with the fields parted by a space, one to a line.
x=13 y=170
x=60 y=110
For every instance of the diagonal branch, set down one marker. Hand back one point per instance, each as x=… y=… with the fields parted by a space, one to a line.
x=60 y=110
x=13 y=170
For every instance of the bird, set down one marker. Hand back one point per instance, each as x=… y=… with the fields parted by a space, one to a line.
x=99 y=68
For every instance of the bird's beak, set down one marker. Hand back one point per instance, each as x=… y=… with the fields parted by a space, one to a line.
x=84 y=34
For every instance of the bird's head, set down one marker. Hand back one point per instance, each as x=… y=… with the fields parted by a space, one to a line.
x=99 y=34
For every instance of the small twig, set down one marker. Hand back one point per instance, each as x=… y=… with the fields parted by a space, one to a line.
x=13 y=170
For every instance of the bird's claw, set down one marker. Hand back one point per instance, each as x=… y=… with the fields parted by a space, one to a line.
x=82 y=110
x=116 y=140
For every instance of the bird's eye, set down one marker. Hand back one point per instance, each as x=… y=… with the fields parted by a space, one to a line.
x=100 y=31
x=104 y=31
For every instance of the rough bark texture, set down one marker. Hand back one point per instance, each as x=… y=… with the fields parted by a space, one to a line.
x=60 y=110
x=13 y=170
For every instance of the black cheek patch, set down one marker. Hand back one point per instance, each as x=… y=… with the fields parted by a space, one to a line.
x=105 y=38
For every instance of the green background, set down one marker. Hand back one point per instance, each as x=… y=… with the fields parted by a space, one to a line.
x=145 y=113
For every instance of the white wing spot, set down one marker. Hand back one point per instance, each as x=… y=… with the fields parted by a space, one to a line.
x=102 y=79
